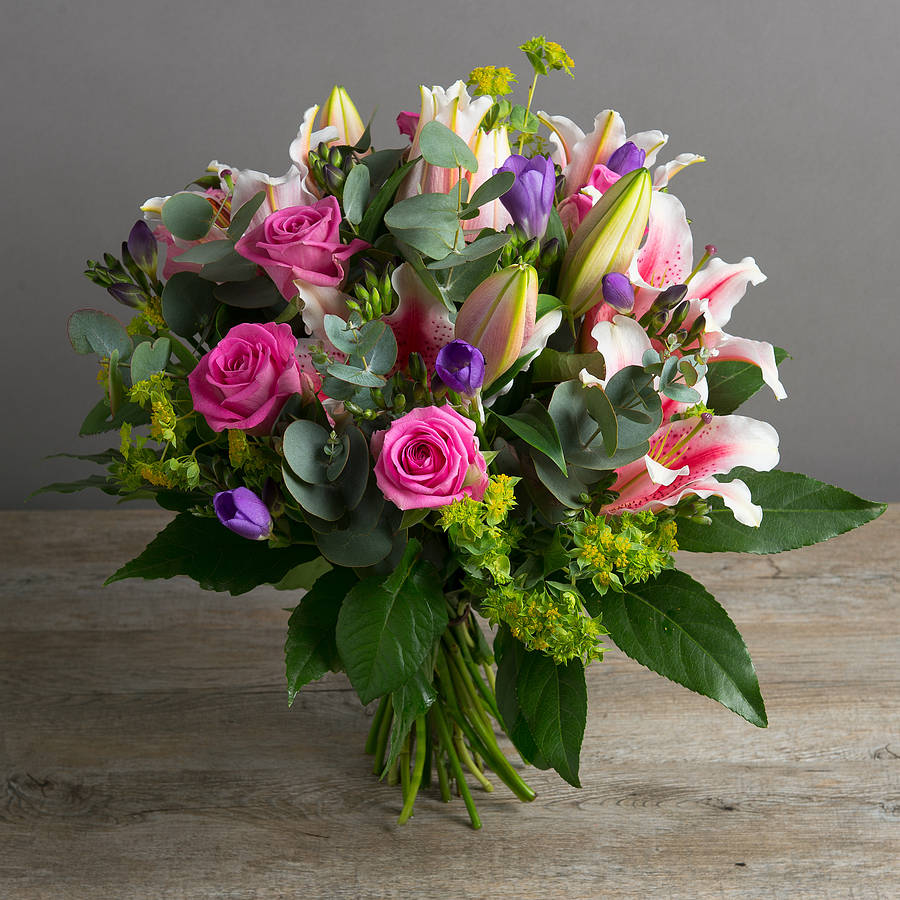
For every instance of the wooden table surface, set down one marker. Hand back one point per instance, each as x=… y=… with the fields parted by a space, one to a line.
x=148 y=751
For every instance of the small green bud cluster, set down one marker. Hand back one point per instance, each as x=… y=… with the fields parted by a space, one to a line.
x=375 y=296
x=329 y=167
x=140 y=466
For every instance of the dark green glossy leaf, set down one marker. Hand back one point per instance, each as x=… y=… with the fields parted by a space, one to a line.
x=100 y=418
x=216 y=558
x=408 y=702
x=731 y=383
x=304 y=576
x=376 y=210
x=257 y=293
x=387 y=627
x=309 y=648
x=797 y=511
x=534 y=425
x=672 y=625
x=231 y=266
x=101 y=482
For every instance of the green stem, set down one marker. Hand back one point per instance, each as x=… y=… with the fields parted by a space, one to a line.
x=372 y=739
x=443 y=780
x=384 y=731
x=527 y=110
x=418 y=768
x=463 y=752
x=403 y=760
x=455 y=765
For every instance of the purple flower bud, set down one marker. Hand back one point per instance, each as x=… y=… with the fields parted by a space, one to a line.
x=617 y=291
x=129 y=294
x=706 y=418
x=530 y=199
x=461 y=367
x=242 y=512
x=142 y=247
x=626 y=159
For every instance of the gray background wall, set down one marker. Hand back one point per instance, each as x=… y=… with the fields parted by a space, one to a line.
x=794 y=102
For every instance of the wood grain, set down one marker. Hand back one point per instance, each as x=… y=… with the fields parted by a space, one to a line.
x=147 y=749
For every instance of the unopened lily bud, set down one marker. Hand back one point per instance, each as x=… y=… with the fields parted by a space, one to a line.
x=498 y=317
x=143 y=248
x=340 y=112
x=618 y=292
x=605 y=241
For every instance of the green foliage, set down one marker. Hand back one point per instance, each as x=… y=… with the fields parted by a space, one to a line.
x=535 y=426
x=356 y=194
x=188 y=216
x=94 y=331
x=547 y=706
x=428 y=223
x=408 y=702
x=387 y=627
x=797 y=511
x=304 y=576
x=731 y=383
x=256 y=293
x=149 y=358
x=216 y=558
x=309 y=648
x=208 y=252
x=496 y=186
x=380 y=203
x=442 y=147
x=672 y=625
x=188 y=303
x=488 y=245
x=241 y=219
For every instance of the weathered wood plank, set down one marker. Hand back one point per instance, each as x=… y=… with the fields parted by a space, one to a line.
x=147 y=750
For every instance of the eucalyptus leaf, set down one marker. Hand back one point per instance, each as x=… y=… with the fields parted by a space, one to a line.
x=205 y=253
x=427 y=222
x=601 y=410
x=231 y=266
x=256 y=293
x=442 y=147
x=188 y=303
x=356 y=194
x=356 y=376
x=148 y=359
x=95 y=331
x=188 y=216
x=484 y=246
x=496 y=186
x=303 y=446
x=241 y=219
x=375 y=211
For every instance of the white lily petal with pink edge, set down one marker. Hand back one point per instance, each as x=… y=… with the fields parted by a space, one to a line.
x=662 y=175
x=715 y=449
x=662 y=475
x=651 y=142
x=280 y=192
x=588 y=151
x=668 y=252
x=736 y=496
x=491 y=149
x=726 y=347
x=564 y=135
x=462 y=114
x=307 y=138
x=723 y=285
x=544 y=328
x=622 y=342
x=320 y=300
x=421 y=321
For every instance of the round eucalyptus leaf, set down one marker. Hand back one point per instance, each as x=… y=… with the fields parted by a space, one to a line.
x=95 y=331
x=441 y=147
x=188 y=216
x=304 y=450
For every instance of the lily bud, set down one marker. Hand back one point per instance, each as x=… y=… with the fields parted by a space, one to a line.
x=498 y=317
x=340 y=112
x=605 y=241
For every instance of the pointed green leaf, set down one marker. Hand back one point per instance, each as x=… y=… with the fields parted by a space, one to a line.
x=309 y=648
x=732 y=382
x=241 y=219
x=797 y=511
x=672 y=625
x=408 y=702
x=535 y=426
x=387 y=628
x=188 y=304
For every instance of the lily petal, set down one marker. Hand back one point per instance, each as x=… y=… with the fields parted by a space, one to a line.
x=595 y=148
x=564 y=135
x=660 y=474
x=651 y=142
x=723 y=285
x=491 y=149
x=421 y=322
x=758 y=353
x=622 y=342
x=662 y=175
x=282 y=191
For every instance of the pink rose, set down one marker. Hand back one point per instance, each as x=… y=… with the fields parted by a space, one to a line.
x=429 y=458
x=300 y=242
x=246 y=379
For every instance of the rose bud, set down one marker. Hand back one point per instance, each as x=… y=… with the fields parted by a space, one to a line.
x=605 y=241
x=617 y=291
x=530 y=199
x=498 y=317
x=461 y=367
x=340 y=112
x=143 y=248
x=626 y=159
x=242 y=512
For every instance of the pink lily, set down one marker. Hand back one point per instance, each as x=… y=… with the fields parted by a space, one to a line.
x=623 y=342
x=454 y=108
x=700 y=450
x=491 y=149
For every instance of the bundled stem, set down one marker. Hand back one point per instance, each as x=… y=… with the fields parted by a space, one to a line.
x=456 y=735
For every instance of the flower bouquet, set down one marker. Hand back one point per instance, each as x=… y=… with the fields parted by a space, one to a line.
x=478 y=377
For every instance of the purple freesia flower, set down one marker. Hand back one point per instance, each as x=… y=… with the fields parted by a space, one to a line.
x=461 y=367
x=530 y=199
x=626 y=159
x=142 y=247
x=242 y=512
x=617 y=291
